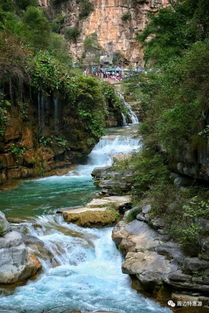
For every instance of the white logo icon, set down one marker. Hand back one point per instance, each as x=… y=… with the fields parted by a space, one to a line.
x=171 y=303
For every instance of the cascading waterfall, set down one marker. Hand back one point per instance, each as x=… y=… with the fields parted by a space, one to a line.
x=131 y=115
x=85 y=272
x=41 y=110
x=56 y=113
x=87 y=276
x=124 y=120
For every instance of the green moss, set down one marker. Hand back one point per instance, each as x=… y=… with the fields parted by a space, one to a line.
x=92 y=217
x=132 y=214
x=1 y=230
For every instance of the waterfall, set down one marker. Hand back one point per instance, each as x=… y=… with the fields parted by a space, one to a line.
x=41 y=110
x=105 y=149
x=124 y=120
x=131 y=115
x=87 y=274
x=56 y=113
x=84 y=271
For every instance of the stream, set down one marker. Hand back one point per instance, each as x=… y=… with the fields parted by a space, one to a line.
x=87 y=275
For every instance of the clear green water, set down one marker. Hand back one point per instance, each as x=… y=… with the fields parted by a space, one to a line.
x=89 y=275
x=45 y=196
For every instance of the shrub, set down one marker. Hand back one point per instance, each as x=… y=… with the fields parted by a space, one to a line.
x=86 y=7
x=23 y=4
x=72 y=34
x=58 y=2
x=36 y=28
x=126 y=17
x=58 y=22
x=132 y=214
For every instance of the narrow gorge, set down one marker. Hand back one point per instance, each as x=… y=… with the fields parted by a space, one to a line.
x=104 y=158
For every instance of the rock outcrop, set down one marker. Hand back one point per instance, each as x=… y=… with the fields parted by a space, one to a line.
x=112 y=180
x=111 y=28
x=98 y=212
x=17 y=264
x=159 y=264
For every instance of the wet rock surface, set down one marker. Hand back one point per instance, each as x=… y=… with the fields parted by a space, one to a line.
x=111 y=181
x=159 y=263
x=99 y=212
x=17 y=263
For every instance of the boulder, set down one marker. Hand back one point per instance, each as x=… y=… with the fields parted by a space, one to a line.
x=87 y=217
x=99 y=212
x=98 y=172
x=16 y=264
x=158 y=263
x=4 y=225
x=150 y=268
x=113 y=181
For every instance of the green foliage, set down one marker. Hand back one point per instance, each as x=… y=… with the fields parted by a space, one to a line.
x=4 y=105
x=72 y=33
x=61 y=142
x=189 y=212
x=86 y=7
x=112 y=100
x=24 y=108
x=53 y=141
x=149 y=169
x=36 y=27
x=174 y=29
x=17 y=150
x=46 y=141
x=58 y=23
x=174 y=102
x=90 y=105
x=1 y=230
x=23 y=4
x=91 y=43
x=132 y=214
x=49 y=74
x=58 y=2
x=126 y=17
x=58 y=48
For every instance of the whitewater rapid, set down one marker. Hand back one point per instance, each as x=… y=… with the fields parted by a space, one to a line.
x=86 y=272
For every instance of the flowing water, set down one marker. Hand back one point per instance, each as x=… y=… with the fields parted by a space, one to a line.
x=131 y=115
x=88 y=273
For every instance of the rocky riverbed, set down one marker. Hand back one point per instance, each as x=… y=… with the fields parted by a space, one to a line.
x=160 y=266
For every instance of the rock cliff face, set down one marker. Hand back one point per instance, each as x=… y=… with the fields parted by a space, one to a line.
x=114 y=24
x=46 y=142
x=159 y=264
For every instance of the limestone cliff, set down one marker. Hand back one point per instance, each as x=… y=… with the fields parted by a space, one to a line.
x=114 y=24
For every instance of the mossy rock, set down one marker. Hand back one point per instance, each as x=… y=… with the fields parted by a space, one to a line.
x=91 y=217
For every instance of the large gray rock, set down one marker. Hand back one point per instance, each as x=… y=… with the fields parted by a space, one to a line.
x=4 y=225
x=157 y=262
x=111 y=181
x=16 y=264
x=150 y=268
